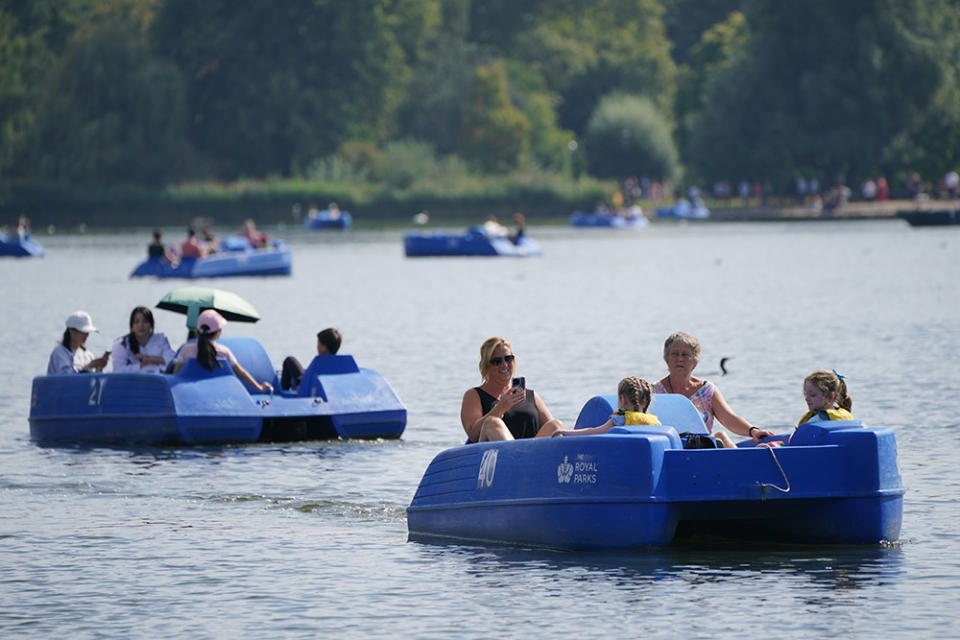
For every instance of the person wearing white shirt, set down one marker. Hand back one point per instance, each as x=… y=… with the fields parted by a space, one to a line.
x=71 y=356
x=142 y=350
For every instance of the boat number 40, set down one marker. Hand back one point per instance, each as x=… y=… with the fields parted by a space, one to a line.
x=96 y=392
x=488 y=466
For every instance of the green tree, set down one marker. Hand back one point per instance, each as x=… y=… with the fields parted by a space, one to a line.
x=686 y=22
x=495 y=131
x=628 y=136
x=717 y=49
x=33 y=34
x=821 y=87
x=586 y=50
x=275 y=85
x=111 y=113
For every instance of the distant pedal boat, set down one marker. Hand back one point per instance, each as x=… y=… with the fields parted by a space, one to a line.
x=235 y=258
x=19 y=247
x=326 y=220
x=834 y=483
x=634 y=220
x=473 y=242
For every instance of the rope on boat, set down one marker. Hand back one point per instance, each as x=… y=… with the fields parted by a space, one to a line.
x=764 y=485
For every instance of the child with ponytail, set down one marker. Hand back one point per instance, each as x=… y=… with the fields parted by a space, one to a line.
x=826 y=396
x=633 y=398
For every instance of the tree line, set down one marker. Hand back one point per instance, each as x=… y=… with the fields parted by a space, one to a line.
x=160 y=92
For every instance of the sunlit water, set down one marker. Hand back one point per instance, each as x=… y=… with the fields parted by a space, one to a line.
x=310 y=540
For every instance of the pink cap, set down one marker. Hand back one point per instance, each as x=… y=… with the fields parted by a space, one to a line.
x=210 y=321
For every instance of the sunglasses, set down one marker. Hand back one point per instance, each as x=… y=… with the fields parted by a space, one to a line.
x=498 y=360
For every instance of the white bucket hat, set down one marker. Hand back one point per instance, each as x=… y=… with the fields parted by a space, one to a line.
x=82 y=322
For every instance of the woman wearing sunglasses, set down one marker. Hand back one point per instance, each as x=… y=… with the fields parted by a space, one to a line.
x=498 y=409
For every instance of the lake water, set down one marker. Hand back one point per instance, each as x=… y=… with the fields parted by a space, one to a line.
x=310 y=540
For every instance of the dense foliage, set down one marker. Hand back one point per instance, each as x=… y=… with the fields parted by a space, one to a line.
x=393 y=92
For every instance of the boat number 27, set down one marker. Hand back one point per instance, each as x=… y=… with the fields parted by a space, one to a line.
x=96 y=392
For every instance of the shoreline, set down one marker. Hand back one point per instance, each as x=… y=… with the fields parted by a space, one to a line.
x=851 y=211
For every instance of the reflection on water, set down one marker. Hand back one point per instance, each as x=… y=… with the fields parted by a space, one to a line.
x=835 y=567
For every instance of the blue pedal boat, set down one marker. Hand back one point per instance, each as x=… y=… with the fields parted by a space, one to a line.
x=327 y=220
x=19 y=247
x=833 y=483
x=235 y=258
x=684 y=210
x=600 y=220
x=473 y=242
x=337 y=399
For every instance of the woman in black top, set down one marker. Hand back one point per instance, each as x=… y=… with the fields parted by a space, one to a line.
x=498 y=411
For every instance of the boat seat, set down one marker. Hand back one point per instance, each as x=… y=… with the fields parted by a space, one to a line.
x=676 y=410
x=672 y=409
x=193 y=370
x=324 y=366
x=253 y=357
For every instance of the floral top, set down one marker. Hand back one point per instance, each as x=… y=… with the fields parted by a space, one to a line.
x=702 y=399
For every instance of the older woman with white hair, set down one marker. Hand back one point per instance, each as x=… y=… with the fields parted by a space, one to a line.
x=682 y=352
x=499 y=409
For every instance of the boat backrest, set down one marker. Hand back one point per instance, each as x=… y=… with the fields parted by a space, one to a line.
x=193 y=370
x=253 y=357
x=672 y=409
x=325 y=366
x=676 y=410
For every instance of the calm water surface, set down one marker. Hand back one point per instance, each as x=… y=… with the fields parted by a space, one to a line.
x=309 y=540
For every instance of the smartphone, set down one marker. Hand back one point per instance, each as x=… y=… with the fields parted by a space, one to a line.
x=520 y=382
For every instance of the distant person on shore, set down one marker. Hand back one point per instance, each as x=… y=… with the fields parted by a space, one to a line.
x=633 y=399
x=71 y=355
x=883 y=189
x=951 y=181
x=914 y=185
x=328 y=344
x=157 y=250
x=257 y=239
x=142 y=350
x=191 y=247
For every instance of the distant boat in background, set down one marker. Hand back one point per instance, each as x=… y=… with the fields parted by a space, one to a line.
x=632 y=218
x=235 y=258
x=330 y=218
x=474 y=242
x=683 y=209
x=930 y=217
x=19 y=246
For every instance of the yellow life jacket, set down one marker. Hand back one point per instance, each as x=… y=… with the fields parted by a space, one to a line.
x=638 y=417
x=831 y=414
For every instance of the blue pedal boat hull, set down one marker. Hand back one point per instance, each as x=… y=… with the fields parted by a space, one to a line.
x=276 y=260
x=637 y=487
x=597 y=220
x=337 y=399
x=18 y=247
x=472 y=243
x=323 y=221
